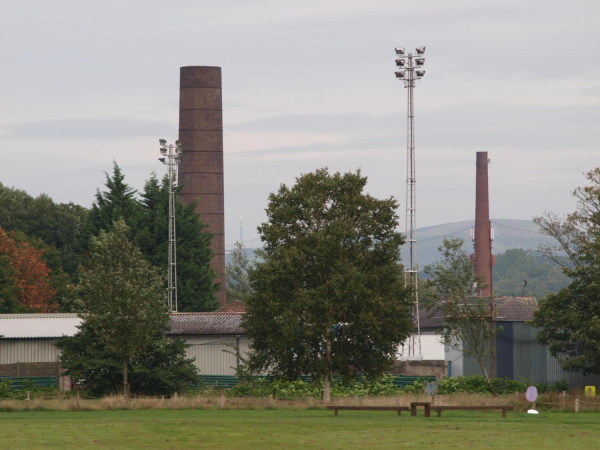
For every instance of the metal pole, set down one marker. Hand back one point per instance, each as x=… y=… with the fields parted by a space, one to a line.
x=410 y=249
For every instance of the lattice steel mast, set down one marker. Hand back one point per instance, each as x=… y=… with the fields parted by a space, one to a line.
x=171 y=158
x=410 y=73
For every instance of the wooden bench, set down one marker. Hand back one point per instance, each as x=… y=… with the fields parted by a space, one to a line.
x=439 y=409
x=426 y=406
x=368 y=408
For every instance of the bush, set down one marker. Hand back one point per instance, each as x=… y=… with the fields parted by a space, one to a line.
x=476 y=384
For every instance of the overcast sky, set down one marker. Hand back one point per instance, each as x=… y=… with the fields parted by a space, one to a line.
x=308 y=84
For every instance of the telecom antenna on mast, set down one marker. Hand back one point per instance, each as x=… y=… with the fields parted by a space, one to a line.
x=410 y=71
x=171 y=158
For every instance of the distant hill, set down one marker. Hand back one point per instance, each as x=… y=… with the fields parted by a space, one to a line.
x=508 y=234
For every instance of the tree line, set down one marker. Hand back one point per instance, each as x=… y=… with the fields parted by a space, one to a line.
x=58 y=236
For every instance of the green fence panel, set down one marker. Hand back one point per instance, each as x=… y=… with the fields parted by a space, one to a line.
x=229 y=381
x=33 y=382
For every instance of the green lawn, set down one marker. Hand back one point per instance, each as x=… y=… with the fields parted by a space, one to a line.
x=294 y=429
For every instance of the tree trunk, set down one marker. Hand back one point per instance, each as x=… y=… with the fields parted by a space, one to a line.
x=327 y=381
x=489 y=382
x=126 y=390
x=326 y=389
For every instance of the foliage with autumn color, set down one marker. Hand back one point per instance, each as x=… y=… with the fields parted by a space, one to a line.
x=28 y=276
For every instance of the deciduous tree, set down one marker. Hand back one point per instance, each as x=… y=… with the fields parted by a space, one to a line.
x=329 y=292
x=569 y=319
x=125 y=297
x=238 y=281
x=467 y=319
x=32 y=285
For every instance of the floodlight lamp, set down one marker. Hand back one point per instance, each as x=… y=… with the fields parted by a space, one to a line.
x=400 y=62
x=400 y=51
x=162 y=160
x=178 y=159
x=179 y=150
x=178 y=143
x=163 y=150
x=420 y=61
x=420 y=73
x=420 y=50
x=163 y=142
x=400 y=75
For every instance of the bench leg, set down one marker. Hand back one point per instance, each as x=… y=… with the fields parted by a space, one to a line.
x=336 y=411
x=504 y=414
x=399 y=412
x=439 y=413
x=413 y=410
x=427 y=411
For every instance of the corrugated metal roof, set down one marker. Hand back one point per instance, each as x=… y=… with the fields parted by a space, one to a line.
x=32 y=326
x=206 y=324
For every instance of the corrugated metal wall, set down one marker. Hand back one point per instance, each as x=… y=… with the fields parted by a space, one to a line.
x=27 y=350
x=212 y=353
x=516 y=345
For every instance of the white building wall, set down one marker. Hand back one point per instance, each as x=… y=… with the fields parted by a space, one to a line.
x=28 y=350
x=432 y=347
x=215 y=355
x=454 y=356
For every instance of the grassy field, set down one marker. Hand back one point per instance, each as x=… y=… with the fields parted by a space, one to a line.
x=294 y=429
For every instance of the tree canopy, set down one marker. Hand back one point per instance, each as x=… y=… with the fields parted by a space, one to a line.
x=25 y=275
x=124 y=296
x=569 y=319
x=148 y=219
x=238 y=281
x=329 y=294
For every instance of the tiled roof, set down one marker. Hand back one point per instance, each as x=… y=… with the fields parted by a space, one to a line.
x=507 y=309
x=32 y=326
x=206 y=324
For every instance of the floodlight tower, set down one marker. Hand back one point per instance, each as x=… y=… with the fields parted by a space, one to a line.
x=171 y=158
x=410 y=72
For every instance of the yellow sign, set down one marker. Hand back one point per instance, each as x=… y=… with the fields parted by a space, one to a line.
x=590 y=391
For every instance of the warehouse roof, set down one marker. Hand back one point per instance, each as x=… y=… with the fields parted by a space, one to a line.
x=55 y=325
x=31 y=326
x=206 y=323
x=506 y=309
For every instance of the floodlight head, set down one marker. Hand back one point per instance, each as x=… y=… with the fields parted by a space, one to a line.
x=162 y=142
x=178 y=143
x=179 y=150
x=420 y=73
x=420 y=61
x=178 y=159
x=420 y=50
x=162 y=160
x=400 y=75
x=400 y=51
x=400 y=62
x=163 y=150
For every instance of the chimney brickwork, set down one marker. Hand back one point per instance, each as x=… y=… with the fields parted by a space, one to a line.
x=201 y=170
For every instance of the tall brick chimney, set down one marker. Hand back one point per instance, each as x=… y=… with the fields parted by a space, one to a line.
x=483 y=238
x=201 y=133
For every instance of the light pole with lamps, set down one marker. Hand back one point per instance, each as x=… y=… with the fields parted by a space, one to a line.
x=171 y=158
x=410 y=72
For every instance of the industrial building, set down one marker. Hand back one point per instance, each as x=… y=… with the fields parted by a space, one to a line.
x=27 y=341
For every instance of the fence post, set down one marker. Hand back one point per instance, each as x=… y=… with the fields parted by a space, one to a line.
x=576 y=405
x=27 y=399
x=397 y=400
x=78 y=397
x=356 y=400
x=310 y=402
x=222 y=399
x=274 y=393
x=563 y=396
